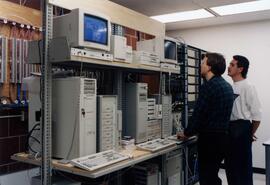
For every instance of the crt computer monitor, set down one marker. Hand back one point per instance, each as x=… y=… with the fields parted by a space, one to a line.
x=170 y=49
x=84 y=29
x=164 y=47
x=95 y=29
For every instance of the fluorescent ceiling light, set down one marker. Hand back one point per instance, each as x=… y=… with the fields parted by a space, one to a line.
x=242 y=7
x=183 y=16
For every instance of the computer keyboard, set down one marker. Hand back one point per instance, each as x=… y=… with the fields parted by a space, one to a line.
x=99 y=160
x=156 y=144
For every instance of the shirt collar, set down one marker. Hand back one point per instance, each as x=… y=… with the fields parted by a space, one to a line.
x=213 y=78
x=239 y=82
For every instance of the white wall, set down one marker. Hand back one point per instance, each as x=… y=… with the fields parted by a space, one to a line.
x=253 y=41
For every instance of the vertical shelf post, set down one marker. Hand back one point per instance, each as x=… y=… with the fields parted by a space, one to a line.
x=46 y=90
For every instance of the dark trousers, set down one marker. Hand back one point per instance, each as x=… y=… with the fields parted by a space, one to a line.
x=212 y=148
x=239 y=161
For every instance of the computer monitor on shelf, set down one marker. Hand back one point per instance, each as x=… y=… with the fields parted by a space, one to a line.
x=170 y=50
x=165 y=47
x=84 y=29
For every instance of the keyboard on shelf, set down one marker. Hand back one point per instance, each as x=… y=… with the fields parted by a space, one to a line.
x=99 y=160
x=156 y=144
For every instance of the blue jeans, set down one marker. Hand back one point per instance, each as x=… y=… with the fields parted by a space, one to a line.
x=239 y=161
x=212 y=149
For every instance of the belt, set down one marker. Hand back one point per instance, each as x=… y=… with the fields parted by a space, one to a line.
x=239 y=121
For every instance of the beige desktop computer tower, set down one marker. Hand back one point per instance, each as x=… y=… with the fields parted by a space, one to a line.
x=73 y=117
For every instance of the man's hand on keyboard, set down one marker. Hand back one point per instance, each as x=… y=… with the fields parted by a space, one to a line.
x=181 y=136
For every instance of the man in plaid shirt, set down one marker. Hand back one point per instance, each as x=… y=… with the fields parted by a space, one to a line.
x=210 y=119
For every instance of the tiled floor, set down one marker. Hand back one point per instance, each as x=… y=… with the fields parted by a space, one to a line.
x=258 y=179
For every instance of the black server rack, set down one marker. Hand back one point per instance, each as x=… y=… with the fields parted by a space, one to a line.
x=194 y=82
x=184 y=88
x=175 y=85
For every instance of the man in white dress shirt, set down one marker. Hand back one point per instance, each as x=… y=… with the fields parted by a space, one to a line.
x=245 y=119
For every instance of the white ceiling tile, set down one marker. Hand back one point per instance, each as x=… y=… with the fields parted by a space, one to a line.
x=158 y=7
x=230 y=19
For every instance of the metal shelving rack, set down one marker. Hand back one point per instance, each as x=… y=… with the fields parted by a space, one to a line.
x=193 y=76
x=46 y=91
x=189 y=58
x=189 y=81
x=193 y=82
x=183 y=59
x=46 y=94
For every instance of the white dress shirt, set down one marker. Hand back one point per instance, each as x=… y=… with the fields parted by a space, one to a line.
x=246 y=104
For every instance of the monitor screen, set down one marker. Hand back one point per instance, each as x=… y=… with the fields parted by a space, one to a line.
x=170 y=49
x=95 y=29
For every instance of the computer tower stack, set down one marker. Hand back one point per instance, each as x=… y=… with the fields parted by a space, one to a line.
x=107 y=123
x=166 y=125
x=73 y=117
x=146 y=174
x=151 y=108
x=174 y=167
x=136 y=111
x=166 y=103
x=34 y=114
x=154 y=120
x=153 y=129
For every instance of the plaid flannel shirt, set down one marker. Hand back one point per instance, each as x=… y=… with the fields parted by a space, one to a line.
x=213 y=108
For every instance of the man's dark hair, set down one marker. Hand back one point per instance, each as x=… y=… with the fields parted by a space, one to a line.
x=217 y=63
x=242 y=62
